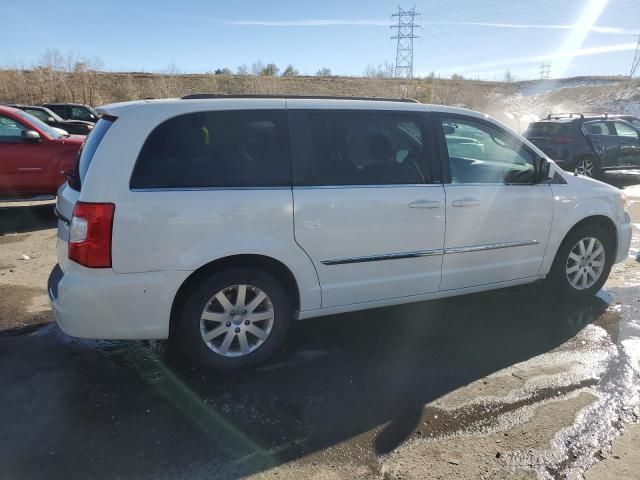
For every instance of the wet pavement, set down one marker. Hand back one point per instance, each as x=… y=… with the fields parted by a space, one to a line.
x=505 y=384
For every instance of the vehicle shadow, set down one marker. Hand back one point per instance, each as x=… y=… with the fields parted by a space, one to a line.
x=360 y=382
x=26 y=218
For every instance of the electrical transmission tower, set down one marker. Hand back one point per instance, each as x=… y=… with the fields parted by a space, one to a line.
x=545 y=71
x=636 y=60
x=404 y=34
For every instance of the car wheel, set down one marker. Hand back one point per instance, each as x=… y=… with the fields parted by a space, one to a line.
x=583 y=262
x=588 y=166
x=234 y=319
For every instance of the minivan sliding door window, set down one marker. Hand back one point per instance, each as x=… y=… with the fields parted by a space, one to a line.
x=344 y=147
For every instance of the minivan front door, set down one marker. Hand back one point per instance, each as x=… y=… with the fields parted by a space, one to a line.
x=498 y=216
x=365 y=211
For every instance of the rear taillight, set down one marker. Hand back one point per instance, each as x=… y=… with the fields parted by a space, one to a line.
x=561 y=140
x=90 y=234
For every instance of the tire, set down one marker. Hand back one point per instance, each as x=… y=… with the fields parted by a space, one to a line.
x=589 y=166
x=230 y=320
x=566 y=278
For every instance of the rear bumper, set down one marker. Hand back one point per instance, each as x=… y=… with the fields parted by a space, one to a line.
x=101 y=304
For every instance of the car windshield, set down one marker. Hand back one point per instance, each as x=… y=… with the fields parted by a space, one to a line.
x=44 y=114
x=50 y=131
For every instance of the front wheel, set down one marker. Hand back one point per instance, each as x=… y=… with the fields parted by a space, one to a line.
x=583 y=262
x=234 y=319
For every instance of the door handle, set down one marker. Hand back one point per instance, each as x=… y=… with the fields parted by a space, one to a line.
x=466 y=202
x=422 y=203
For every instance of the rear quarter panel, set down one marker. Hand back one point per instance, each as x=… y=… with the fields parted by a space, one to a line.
x=183 y=230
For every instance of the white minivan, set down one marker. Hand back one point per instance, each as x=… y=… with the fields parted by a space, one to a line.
x=219 y=219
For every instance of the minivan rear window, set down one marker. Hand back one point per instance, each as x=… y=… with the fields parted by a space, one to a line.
x=88 y=150
x=224 y=148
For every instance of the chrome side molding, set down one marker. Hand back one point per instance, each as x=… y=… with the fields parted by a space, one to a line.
x=428 y=253
x=491 y=246
x=386 y=256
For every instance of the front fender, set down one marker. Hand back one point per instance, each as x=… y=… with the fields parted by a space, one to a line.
x=580 y=198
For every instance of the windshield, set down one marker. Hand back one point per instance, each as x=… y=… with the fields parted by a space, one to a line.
x=49 y=131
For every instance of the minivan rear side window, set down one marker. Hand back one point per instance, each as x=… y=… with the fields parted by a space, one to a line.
x=225 y=148
x=361 y=147
x=88 y=150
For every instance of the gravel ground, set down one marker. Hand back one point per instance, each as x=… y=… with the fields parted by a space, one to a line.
x=505 y=384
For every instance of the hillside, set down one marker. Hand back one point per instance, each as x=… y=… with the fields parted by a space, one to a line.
x=516 y=103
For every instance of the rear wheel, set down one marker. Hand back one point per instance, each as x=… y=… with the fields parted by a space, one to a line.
x=589 y=166
x=583 y=262
x=234 y=319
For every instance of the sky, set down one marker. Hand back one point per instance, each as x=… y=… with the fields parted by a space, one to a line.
x=473 y=38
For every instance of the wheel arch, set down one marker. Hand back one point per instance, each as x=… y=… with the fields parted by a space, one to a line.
x=270 y=265
x=602 y=221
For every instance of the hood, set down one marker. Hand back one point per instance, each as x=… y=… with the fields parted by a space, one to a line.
x=588 y=182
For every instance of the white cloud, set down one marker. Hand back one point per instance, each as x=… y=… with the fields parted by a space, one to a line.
x=594 y=28
x=310 y=22
x=322 y=22
x=480 y=68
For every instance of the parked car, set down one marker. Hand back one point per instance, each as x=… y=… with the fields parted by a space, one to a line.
x=34 y=157
x=73 y=111
x=587 y=145
x=219 y=220
x=75 y=127
x=627 y=118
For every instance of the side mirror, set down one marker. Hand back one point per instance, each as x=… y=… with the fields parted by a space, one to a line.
x=51 y=120
x=30 y=136
x=543 y=169
x=448 y=129
x=92 y=117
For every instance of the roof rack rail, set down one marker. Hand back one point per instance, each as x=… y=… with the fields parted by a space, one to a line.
x=559 y=115
x=598 y=114
x=200 y=96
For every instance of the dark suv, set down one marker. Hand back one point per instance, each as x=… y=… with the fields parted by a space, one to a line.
x=73 y=111
x=74 y=127
x=588 y=145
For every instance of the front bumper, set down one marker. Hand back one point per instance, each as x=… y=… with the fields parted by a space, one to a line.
x=101 y=304
x=624 y=239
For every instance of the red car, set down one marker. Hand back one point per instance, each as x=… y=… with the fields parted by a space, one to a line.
x=34 y=157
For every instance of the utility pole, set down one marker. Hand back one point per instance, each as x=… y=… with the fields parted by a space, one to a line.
x=636 y=60
x=404 y=34
x=545 y=71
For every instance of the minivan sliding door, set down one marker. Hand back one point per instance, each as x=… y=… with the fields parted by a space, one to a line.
x=365 y=208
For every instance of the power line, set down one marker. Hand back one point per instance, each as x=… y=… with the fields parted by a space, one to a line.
x=405 y=34
x=545 y=71
x=636 y=60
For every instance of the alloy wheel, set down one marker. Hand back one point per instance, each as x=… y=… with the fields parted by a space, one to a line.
x=585 y=167
x=586 y=263
x=237 y=320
